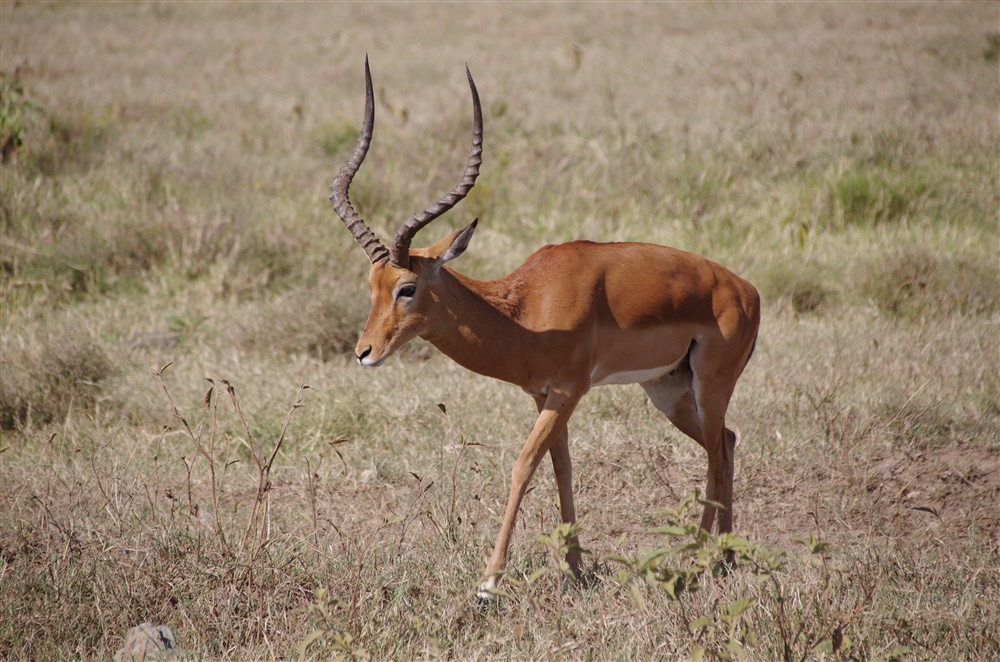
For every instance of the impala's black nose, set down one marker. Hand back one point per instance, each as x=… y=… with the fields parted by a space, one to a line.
x=365 y=352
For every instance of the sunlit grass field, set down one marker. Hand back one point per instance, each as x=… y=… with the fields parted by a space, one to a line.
x=173 y=275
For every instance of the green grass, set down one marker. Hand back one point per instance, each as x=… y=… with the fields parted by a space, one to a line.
x=166 y=203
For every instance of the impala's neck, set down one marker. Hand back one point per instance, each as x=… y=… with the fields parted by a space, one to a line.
x=475 y=324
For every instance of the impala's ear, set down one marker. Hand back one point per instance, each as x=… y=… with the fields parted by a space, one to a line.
x=453 y=245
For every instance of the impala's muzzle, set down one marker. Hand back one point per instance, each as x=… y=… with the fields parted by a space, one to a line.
x=363 y=355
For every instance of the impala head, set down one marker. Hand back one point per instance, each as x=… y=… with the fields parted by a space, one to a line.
x=401 y=279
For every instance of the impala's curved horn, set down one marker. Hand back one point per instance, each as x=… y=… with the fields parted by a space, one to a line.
x=400 y=251
x=341 y=203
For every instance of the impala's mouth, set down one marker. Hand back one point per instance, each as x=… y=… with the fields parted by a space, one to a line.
x=370 y=362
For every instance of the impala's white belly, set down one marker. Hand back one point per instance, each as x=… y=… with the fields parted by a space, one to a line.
x=598 y=377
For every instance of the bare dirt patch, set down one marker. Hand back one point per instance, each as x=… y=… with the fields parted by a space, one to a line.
x=954 y=490
x=943 y=493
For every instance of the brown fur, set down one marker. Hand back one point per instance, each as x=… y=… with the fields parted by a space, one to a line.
x=572 y=316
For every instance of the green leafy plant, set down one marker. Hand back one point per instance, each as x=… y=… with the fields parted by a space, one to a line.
x=562 y=540
x=692 y=560
x=17 y=115
x=697 y=556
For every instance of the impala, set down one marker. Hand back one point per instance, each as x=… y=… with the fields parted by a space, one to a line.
x=573 y=316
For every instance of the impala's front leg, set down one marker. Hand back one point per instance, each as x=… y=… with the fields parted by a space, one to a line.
x=548 y=429
x=562 y=466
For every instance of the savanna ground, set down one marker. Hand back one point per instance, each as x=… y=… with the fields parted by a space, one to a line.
x=164 y=202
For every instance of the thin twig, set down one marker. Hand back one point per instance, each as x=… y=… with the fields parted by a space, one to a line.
x=200 y=450
x=312 y=498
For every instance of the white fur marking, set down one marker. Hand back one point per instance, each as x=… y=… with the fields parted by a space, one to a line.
x=632 y=376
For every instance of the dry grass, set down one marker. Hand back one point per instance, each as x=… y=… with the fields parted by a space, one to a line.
x=168 y=205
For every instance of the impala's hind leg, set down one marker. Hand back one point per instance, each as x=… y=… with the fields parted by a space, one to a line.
x=675 y=395
x=715 y=370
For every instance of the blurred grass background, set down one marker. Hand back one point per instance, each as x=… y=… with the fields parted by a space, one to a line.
x=164 y=200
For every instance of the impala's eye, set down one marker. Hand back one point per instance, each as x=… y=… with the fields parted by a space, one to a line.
x=407 y=291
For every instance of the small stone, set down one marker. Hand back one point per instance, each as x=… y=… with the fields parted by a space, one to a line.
x=150 y=643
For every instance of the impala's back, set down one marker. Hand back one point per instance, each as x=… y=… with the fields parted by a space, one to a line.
x=634 y=309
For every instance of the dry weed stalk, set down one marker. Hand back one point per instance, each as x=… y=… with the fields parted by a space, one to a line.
x=256 y=533
x=209 y=454
x=260 y=512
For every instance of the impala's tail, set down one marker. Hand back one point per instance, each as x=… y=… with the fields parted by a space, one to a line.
x=753 y=346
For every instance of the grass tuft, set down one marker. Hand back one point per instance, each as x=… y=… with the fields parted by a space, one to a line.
x=336 y=140
x=914 y=283
x=865 y=196
x=805 y=287
x=43 y=384
x=305 y=321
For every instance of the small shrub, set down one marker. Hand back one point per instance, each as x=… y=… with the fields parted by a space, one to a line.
x=17 y=115
x=693 y=563
x=325 y=615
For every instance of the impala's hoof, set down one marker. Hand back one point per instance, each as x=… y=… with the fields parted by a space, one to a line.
x=486 y=597
x=726 y=566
